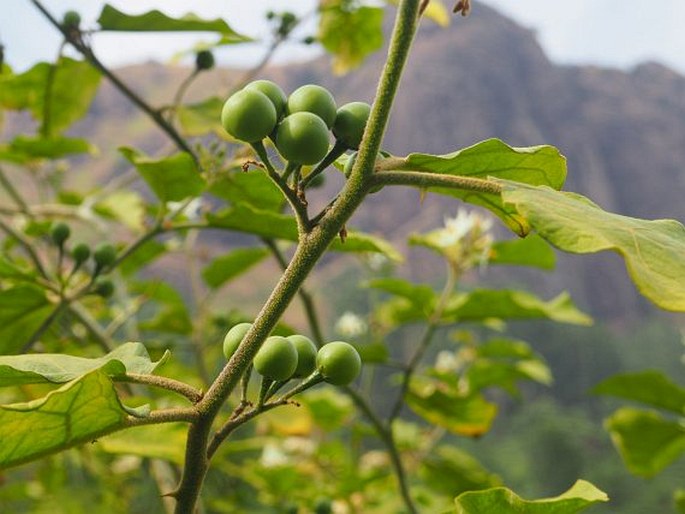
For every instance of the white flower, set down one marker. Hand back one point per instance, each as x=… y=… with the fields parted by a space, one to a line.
x=273 y=456
x=350 y=325
x=465 y=239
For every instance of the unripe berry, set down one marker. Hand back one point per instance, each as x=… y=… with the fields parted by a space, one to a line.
x=104 y=255
x=276 y=359
x=234 y=337
x=80 y=253
x=59 y=233
x=338 y=362
x=204 y=60
x=306 y=355
x=104 y=288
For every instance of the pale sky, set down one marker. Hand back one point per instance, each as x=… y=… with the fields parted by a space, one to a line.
x=605 y=32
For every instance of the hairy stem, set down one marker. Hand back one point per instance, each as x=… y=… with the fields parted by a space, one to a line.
x=169 y=384
x=310 y=249
x=424 y=180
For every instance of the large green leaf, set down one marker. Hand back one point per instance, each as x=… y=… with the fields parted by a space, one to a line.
x=650 y=387
x=654 y=251
x=59 y=368
x=481 y=304
x=528 y=251
x=71 y=84
x=156 y=21
x=264 y=223
x=647 y=441
x=171 y=178
x=23 y=309
x=503 y=500
x=451 y=471
x=350 y=32
x=536 y=165
x=444 y=405
x=78 y=412
x=228 y=266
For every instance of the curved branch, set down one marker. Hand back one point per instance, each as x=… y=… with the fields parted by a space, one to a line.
x=423 y=179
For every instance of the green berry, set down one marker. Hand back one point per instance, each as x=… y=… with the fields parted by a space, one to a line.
x=71 y=19
x=323 y=506
x=338 y=362
x=314 y=99
x=306 y=355
x=248 y=115
x=350 y=122
x=204 y=60
x=234 y=337
x=302 y=138
x=104 y=255
x=273 y=91
x=104 y=288
x=276 y=359
x=80 y=253
x=59 y=233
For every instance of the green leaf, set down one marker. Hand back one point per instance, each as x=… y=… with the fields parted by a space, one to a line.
x=78 y=412
x=481 y=304
x=113 y=19
x=679 y=500
x=202 y=118
x=503 y=500
x=72 y=86
x=649 y=387
x=536 y=165
x=419 y=294
x=125 y=206
x=144 y=255
x=349 y=32
x=329 y=408
x=224 y=268
x=9 y=269
x=171 y=315
x=653 y=250
x=646 y=441
x=165 y=441
x=59 y=368
x=252 y=188
x=24 y=148
x=441 y=404
x=264 y=223
x=23 y=309
x=452 y=471
x=529 y=251
x=172 y=178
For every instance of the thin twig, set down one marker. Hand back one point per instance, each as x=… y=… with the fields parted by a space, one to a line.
x=28 y=247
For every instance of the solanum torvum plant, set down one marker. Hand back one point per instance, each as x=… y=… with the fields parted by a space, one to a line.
x=214 y=401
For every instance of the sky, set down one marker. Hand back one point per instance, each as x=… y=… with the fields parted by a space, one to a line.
x=603 y=32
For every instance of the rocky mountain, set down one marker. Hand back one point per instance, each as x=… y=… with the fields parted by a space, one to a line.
x=622 y=132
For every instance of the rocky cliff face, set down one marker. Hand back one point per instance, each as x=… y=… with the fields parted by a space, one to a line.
x=622 y=132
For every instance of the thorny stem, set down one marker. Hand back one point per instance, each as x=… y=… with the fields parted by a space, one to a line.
x=310 y=249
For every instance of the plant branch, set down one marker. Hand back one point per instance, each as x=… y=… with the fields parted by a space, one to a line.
x=169 y=384
x=385 y=433
x=28 y=247
x=309 y=250
x=13 y=193
x=424 y=180
x=425 y=342
x=87 y=52
x=186 y=414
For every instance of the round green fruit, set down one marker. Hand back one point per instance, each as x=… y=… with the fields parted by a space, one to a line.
x=80 y=253
x=338 y=362
x=276 y=359
x=233 y=338
x=104 y=255
x=314 y=99
x=248 y=115
x=350 y=122
x=302 y=138
x=323 y=506
x=71 y=19
x=204 y=60
x=104 y=288
x=59 y=233
x=273 y=91
x=306 y=355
